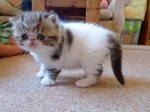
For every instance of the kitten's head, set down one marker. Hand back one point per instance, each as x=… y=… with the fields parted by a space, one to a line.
x=33 y=30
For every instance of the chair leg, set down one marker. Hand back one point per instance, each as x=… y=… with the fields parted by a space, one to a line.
x=93 y=11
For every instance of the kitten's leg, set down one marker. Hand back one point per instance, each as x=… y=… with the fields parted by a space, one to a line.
x=92 y=77
x=50 y=77
x=42 y=71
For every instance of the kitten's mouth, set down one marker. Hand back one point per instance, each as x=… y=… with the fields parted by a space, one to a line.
x=32 y=45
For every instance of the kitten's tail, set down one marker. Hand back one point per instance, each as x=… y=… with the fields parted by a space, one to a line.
x=116 y=58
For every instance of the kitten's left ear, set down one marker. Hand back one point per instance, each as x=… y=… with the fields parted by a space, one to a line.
x=53 y=19
x=13 y=20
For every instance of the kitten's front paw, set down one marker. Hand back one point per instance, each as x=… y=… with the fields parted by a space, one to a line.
x=40 y=75
x=47 y=81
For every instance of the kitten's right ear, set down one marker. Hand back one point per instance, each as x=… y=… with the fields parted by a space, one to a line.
x=13 y=20
x=53 y=19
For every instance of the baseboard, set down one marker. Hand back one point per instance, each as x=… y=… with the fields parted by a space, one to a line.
x=136 y=47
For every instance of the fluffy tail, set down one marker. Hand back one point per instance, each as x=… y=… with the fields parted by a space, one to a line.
x=116 y=59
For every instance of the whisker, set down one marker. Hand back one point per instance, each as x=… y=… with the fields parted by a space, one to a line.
x=21 y=51
x=26 y=52
x=17 y=52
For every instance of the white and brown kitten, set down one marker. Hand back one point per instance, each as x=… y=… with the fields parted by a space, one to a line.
x=56 y=45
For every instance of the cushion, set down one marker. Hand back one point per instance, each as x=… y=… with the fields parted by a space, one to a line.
x=136 y=10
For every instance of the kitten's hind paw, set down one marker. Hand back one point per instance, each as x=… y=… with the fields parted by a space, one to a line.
x=47 y=81
x=85 y=82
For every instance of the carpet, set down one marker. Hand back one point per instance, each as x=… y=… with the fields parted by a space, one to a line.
x=21 y=91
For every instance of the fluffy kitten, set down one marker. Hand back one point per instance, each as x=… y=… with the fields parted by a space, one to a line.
x=56 y=45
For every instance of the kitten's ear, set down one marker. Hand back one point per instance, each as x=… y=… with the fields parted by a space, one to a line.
x=13 y=20
x=53 y=19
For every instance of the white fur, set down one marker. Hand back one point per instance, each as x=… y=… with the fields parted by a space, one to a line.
x=89 y=49
x=47 y=81
x=89 y=41
x=42 y=71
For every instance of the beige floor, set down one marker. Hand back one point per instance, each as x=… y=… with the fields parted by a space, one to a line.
x=20 y=90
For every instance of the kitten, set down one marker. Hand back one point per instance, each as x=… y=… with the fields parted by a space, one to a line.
x=56 y=45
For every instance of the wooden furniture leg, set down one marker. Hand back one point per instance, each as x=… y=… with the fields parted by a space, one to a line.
x=93 y=11
x=145 y=29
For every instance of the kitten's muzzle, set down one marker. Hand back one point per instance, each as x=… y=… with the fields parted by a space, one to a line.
x=32 y=42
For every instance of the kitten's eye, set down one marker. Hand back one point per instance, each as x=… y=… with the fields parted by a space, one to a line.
x=24 y=37
x=41 y=37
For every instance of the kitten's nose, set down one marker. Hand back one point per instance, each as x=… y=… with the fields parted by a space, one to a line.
x=32 y=39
